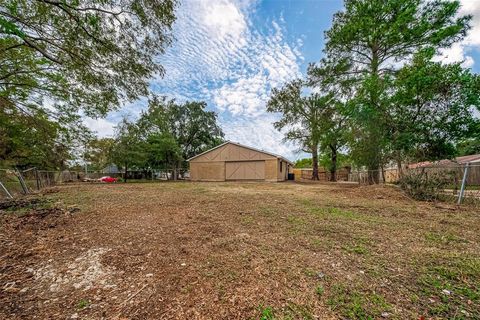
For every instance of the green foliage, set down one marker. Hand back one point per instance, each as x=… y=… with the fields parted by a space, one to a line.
x=27 y=141
x=312 y=121
x=303 y=163
x=192 y=127
x=319 y=290
x=432 y=108
x=468 y=146
x=97 y=153
x=362 y=46
x=91 y=55
x=166 y=135
x=60 y=59
x=326 y=160
x=163 y=150
x=82 y=304
x=129 y=150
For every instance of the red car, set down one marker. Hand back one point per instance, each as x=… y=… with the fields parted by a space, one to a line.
x=108 y=179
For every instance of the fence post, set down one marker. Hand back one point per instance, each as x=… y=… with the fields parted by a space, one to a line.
x=22 y=182
x=6 y=191
x=464 y=182
x=37 y=178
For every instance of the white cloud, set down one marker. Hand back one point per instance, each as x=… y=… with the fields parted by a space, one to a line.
x=259 y=133
x=102 y=127
x=460 y=51
x=223 y=57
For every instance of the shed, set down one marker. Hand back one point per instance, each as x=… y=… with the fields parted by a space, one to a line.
x=232 y=161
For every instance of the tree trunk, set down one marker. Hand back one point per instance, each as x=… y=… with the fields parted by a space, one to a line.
x=315 y=162
x=333 y=168
x=175 y=172
x=399 y=165
x=383 y=174
x=125 y=173
x=374 y=134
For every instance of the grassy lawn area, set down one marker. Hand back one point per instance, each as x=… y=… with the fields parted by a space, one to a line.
x=238 y=251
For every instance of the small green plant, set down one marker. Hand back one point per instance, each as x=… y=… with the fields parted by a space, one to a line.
x=82 y=304
x=266 y=313
x=319 y=290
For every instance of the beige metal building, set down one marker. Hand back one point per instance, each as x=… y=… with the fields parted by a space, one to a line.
x=233 y=161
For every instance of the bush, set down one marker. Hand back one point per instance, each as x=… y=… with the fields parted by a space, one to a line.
x=426 y=184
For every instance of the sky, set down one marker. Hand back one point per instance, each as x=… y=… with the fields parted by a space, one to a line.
x=231 y=53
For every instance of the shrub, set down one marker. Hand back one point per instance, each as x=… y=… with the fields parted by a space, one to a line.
x=426 y=184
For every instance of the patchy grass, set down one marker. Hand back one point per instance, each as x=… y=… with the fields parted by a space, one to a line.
x=453 y=286
x=239 y=250
x=356 y=304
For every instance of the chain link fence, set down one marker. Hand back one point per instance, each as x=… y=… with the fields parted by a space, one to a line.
x=14 y=182
x=456 y=182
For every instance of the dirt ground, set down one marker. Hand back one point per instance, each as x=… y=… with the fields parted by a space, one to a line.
x=237 y=251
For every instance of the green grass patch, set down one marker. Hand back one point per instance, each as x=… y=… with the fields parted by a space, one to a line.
x=247 y=219
x=267 y=211
x=328 y=212
x=454 y=285
x=443 y=238
x=356 y=248
x=353 y=304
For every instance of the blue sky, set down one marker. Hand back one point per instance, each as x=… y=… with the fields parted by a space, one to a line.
x=231 y=53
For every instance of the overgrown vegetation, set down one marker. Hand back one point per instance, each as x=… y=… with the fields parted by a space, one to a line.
x=426 y=185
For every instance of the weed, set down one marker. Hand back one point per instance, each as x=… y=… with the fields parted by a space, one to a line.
x=82 y=304
x=266 y=313
x=310 y=272
x=319 y=290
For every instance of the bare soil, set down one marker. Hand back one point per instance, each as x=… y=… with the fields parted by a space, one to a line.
x=237 y=251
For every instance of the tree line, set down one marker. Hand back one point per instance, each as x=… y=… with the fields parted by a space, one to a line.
x=63 y=60
x=380 y=93
x=164 y=137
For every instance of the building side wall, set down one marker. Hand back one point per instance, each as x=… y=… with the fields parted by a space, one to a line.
x=271 y=169
x=283 y=165
x=207 y=171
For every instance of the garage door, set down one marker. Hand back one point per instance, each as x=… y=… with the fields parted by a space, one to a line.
x=245 y=170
